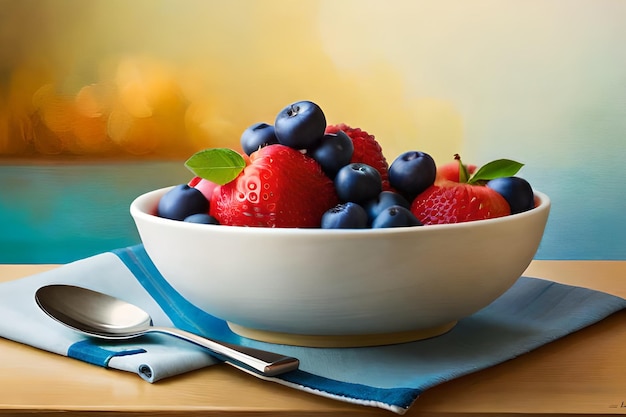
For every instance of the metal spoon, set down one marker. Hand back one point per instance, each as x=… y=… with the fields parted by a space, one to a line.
x=103 y=316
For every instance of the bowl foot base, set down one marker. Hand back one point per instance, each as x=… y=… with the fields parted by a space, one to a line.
x=336 y=341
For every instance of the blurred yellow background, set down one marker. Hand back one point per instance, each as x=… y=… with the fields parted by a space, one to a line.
x=164 y=78
x=539 y=81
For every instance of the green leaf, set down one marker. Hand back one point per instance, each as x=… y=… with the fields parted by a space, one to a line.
x=495 y=169
x=219 y=165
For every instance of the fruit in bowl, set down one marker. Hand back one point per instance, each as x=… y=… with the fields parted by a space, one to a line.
x=337 y=247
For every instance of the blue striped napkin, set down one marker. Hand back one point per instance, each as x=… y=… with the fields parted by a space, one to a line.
x=532 y=313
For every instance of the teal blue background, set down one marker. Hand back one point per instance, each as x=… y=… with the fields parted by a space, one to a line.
x=60 y=212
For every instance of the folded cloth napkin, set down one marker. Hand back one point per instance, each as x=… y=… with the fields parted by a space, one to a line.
x=532 y=313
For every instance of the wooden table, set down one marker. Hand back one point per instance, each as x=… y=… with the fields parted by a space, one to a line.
x=581 y=374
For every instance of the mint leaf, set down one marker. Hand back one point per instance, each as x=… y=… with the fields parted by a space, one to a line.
x=495 y=169
x=219 y=165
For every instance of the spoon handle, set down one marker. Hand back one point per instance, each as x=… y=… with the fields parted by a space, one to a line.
x=267 y=363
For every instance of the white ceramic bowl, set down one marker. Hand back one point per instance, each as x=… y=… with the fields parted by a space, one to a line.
x=319 y=287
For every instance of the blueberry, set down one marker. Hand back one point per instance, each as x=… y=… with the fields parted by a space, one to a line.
x=516 y=191
x=182 y=201
x=202 y=218
x=395 y=216
x=345 y=216
x=334 y=152
x=300 y=125
x=412 y=172
x=384 y=200
x=257 y=136
x=358 y=183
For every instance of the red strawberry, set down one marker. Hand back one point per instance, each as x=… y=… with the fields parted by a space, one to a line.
x=279 y=187
x=453 y=202
x=460 y=195
x=450 y=171
x=366 y=150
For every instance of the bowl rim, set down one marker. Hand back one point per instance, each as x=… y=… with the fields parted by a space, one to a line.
x=138 y=212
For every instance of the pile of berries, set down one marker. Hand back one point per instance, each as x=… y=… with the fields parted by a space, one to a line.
x=301 y=172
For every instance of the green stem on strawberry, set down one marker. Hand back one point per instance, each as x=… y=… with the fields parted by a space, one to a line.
x=463 y=173
x=495 y=169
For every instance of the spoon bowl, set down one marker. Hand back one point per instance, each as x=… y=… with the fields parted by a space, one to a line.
x=103 y=316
